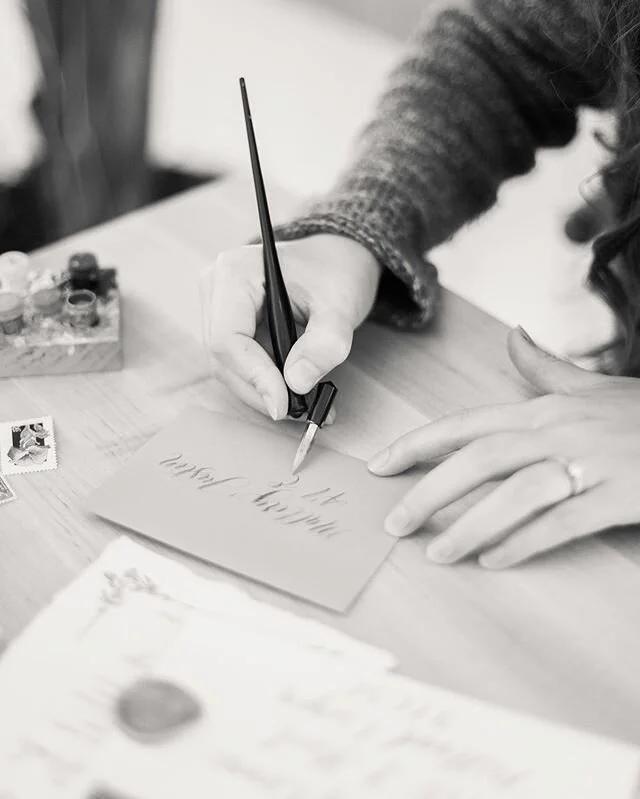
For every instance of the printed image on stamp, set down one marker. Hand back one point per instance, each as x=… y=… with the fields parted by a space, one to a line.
x=28 y=446
x=6 y=492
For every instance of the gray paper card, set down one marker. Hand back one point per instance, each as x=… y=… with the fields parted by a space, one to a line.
x=222 y=490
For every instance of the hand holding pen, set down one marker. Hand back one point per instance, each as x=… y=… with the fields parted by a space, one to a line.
x=331 y=282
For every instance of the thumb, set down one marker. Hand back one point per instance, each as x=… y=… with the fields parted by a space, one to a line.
x=546 y=372
x=325 y=344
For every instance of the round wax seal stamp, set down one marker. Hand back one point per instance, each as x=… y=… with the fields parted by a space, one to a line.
x=153 y=710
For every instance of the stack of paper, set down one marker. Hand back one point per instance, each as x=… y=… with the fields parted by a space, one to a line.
x=286 y=707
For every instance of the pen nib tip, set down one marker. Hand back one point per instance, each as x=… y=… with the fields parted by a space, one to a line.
x=305 y=445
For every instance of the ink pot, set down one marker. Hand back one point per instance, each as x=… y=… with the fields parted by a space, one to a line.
x=84 y=272
x=47 y=302
x=11 y=312
x=81 y=309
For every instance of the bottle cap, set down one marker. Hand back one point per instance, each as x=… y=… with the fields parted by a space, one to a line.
x=83 y=262
x=84 y=272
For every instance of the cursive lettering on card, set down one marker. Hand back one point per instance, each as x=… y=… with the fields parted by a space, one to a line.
x=286 y=501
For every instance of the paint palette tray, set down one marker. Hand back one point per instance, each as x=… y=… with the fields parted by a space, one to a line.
x=58 y=323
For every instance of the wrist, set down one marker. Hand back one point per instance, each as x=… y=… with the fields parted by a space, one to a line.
x=350 y=252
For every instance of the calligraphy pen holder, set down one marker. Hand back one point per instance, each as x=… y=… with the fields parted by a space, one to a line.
x=61 y=322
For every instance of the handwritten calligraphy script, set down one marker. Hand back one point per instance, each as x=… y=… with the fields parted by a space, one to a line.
x=221 y=489
x=286 y=500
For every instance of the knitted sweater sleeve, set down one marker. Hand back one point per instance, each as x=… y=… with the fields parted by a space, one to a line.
x=481 y=89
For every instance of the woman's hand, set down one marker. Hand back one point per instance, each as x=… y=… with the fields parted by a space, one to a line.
x=568 y=465
x=332 y=283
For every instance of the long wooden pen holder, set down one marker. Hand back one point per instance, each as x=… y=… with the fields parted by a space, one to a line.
x=58 y=322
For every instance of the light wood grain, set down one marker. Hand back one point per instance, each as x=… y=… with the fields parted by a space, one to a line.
x=557 y=638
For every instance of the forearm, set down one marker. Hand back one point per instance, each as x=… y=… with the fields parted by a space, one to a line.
x=480 y=91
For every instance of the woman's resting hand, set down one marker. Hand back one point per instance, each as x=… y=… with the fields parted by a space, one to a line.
x=566 y=464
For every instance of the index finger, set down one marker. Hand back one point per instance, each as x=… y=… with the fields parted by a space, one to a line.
x=232 y=305
x=448 y=434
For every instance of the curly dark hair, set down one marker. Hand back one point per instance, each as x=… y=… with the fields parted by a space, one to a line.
x=615 y=269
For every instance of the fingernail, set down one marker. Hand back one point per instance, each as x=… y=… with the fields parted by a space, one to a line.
x=526 y=336
x=494 y=560
x=378 y=462
x=398 y=522
x=331 y=416
x=302 y=376
x=270 y=405
x=441 y=550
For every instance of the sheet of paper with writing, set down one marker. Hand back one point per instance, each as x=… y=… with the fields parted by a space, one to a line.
x=319 y=730
x=285 y=711
x=59 y=680
x=222 y=490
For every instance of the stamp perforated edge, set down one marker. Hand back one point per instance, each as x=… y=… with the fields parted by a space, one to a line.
x=7 y=464
x=7 y=494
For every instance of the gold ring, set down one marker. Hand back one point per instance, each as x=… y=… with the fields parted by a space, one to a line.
x=575 y=473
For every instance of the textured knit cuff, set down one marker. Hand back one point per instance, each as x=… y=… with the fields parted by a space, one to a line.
x=409 y=288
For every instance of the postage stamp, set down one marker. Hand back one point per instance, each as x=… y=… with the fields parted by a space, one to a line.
x=6 y=492
x=27 y=446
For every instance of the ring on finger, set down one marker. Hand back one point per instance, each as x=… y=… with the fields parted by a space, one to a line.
x=575 y=474
x=523 y=496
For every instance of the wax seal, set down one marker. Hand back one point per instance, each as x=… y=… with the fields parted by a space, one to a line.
x=153 y=710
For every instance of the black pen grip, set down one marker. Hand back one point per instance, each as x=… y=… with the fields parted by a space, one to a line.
x=322 y=404
x=282 y=326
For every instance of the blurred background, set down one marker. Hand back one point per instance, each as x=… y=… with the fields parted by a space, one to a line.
x=107 y=105
x=110 y=105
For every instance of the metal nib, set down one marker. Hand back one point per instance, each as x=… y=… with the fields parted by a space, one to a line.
x=305 y=446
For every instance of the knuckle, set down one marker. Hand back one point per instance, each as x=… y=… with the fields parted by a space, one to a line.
x=529 y=486
x=407 y=445
x=230 y=263
x=549 y=408
x=460 y=418
x=216 y=368
x=567 y=439
x=228 y=260
x=413 y=502
x=461 y=422
x=336 y=343
x=341 y=347
x=488 y=451
x=254 y=376
x=218 y=344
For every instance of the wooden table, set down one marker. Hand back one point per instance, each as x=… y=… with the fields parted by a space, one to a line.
x=559 y=638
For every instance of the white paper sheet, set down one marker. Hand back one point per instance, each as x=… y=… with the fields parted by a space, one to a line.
x=289 y=707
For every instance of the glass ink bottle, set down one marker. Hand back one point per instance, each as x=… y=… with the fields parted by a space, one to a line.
x=11 y=313
x=81 y=309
